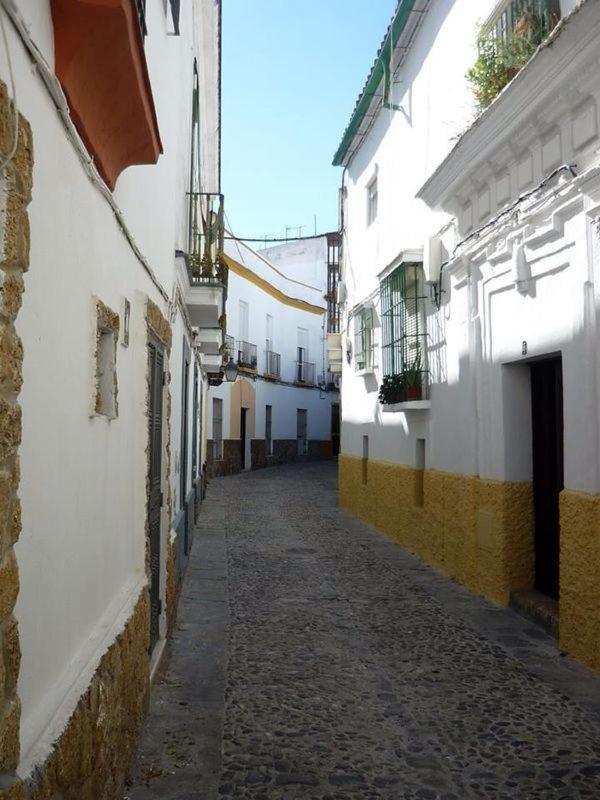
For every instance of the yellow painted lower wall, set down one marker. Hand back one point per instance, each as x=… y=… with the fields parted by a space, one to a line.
x=580 y=576
x=479 y=532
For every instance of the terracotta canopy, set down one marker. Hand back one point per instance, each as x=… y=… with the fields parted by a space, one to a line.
x=100 y=62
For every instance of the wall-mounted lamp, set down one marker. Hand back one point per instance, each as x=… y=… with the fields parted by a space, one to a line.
x=231 y=371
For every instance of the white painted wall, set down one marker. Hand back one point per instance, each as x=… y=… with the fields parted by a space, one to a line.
x=81 y=554
x=479 y=421
x=286 y=321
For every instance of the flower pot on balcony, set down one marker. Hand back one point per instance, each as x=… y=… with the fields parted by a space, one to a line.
x=414 y=392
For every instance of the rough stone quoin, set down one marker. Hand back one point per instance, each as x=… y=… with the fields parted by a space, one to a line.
x=15 y=194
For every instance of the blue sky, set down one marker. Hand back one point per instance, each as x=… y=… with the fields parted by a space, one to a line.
x=291 y=74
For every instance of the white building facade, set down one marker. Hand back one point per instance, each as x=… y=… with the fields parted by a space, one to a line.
x=470 y=268
x=111 y=322
x=284 y=404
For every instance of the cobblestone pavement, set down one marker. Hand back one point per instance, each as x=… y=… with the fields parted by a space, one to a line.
x=353 y=671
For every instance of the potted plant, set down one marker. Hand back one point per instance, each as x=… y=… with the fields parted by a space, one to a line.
x=392 y=390
x=413 y=380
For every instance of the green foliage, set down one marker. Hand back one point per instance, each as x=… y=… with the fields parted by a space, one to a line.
x=392 y=390
x=500 y=59
x=412 y=376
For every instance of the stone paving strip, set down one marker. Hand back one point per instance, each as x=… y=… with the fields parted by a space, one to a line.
x=315 y=659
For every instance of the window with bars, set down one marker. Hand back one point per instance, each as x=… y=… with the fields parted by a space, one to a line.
x=525 y=18
x=217 y=429
x=364 y=345
x=404 y=328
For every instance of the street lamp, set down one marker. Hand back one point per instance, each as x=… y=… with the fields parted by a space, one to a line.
x=231 y=371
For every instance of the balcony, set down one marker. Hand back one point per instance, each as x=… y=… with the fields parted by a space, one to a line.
x=206 y=237
x=507 y=42
x=305 y=373
x=272 y=364
x=99 y=54
x=246 y=356
x=205 y=276
x=334 y=352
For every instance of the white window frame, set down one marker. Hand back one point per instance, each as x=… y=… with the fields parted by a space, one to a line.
x=372 y=200
x=364 y=340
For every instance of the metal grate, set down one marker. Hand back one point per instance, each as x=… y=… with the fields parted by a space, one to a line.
x=246 y=355
x=363 y=339
x=272 y=363
x=333 y=279
x=206 y=238
x=527 y=18
x=305 y=372
x=404 y=345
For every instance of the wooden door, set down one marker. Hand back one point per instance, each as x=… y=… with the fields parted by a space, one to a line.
x=547 y=430
x=155 y=421
x=301 y=424
x=243 y=418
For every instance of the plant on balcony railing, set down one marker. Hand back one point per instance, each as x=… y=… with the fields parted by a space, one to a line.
x=206 y=238
x=507 y=45
x=408 y=385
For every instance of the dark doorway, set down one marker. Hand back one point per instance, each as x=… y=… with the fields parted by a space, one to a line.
x=335 y=428
x=155 y=416
x=547 y=429
x=243 y=418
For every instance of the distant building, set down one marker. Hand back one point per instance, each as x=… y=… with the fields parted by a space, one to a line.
x=111 y=322
x=470 y=274
x=284 y=406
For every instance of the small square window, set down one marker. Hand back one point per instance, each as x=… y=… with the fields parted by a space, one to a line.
x=107 y=334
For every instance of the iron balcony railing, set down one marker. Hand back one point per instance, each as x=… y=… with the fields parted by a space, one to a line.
x=528 y=19
x=206 y=238
x=246 y=355
x=272 y=363
x=305 y=372
x=229 y=346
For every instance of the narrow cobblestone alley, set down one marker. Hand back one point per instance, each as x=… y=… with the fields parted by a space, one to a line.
x=314 y=658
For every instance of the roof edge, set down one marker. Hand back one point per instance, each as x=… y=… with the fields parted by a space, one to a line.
x=395 y=30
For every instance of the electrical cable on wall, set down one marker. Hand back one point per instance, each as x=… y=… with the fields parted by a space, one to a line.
x=437 y=287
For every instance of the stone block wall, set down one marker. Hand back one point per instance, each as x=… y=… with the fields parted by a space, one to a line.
x=92 y=757
x=15 y=195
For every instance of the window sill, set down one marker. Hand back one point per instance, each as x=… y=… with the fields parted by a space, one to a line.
x=367 y=371
x=407 y=405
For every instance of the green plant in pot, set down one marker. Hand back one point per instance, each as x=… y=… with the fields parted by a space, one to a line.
x=501 y=58
x=413 y=380
x=392 y=390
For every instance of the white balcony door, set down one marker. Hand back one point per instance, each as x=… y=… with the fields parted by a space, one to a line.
x=269 y=336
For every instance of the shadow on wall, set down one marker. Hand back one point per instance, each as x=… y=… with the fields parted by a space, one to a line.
x=481 y=531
